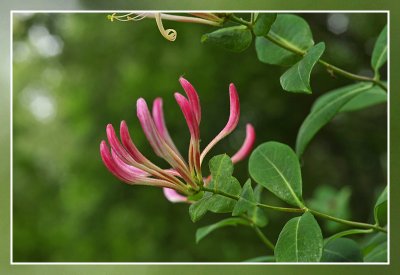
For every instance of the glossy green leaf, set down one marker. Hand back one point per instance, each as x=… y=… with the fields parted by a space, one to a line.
x=297 y=78
x=263 y=23
x=378 y=254
x=324 y=113
x=221 y=169
x=342 y=250
x=373 y=96
x=246 y=202
x=332 y=202
x=300 y=240
x=204 y=231
x=380 y=209
x=261 y=259
x=379 y=54
x=293 y=31
x=276 y=167
x=235 y=39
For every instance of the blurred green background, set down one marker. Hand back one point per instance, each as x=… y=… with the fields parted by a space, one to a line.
x=74 y=73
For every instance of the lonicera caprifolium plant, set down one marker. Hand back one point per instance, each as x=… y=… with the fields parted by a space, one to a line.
x=283 y=40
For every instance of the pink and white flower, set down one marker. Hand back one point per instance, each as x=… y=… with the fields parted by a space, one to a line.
x=184 y=178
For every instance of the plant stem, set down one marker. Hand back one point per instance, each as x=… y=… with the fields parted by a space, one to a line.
x=259 y=233
x=271 y=36
x=301 y=210
x=265 y=240
x=351 y=223
x=348 y=232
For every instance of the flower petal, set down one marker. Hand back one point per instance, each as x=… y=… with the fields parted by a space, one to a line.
x=149 y=127
x=129 y=145
x=232 y=121
x=159 y=121
x=173 y=196
x=128 y=168
x=193 y=98
x=116 y=145
x=247 y=146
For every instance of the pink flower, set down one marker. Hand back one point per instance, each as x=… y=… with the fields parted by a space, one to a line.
x=184 y=178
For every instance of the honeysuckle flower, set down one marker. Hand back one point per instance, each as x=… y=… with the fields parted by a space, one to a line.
x=171 y=34
x=184 y=178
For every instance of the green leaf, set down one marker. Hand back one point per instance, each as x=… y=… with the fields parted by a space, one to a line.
x=373 y=240
x=222 y=204
x=246 y=202
x=378 y=254
x=261 y=259
x=380 y=209
x=291 y=30
x=204 y=231
x=263 y=23
x=300 y=240
x=332 y=202
x=297 y=78
x=198 y=209
x=322 y=114
x=379 y=54
x=342 y=250
x=221 y=169
x=235 y=39
x=276 y=167
x=374 y=95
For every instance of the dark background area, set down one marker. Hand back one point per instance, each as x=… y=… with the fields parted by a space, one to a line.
x=74 y=73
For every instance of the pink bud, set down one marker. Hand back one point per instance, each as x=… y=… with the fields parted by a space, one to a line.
x=148 y=127
x=232 y=121
x=193 y=98
x=247 y=146
x=129 y=145
x=188 y=114
x=159 y=121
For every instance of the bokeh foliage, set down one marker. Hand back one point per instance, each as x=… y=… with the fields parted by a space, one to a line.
x=68 y=207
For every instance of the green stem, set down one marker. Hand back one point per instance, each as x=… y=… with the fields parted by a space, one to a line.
x=348 y=232
x=351 y=223
x=263 y=238
x=301 y=210
x=259 y=233
x=271 y=36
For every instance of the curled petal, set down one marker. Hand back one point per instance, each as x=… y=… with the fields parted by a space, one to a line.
x=232 y=121
x=247 y=146
x=159 y=121
x=189 y=116
x=174 y=196
x=193 y=98
x=148 y=127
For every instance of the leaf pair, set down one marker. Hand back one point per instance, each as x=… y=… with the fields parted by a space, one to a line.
x=221 y=169
x=294 y=33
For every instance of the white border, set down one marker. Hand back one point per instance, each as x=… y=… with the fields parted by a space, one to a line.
x=192 y=263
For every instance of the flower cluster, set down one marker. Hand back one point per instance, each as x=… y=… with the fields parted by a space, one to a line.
x=184 y=178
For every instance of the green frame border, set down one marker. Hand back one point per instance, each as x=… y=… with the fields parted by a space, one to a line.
x=296 y=5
